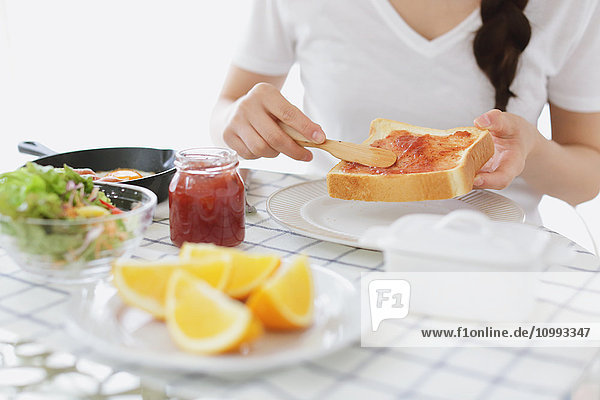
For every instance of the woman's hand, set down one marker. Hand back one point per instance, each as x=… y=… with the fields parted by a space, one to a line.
x=251 y=128
x=514 y=141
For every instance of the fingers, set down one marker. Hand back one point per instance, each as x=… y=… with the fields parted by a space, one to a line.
x=484 y=121
x=491 y=180
x=500 y=124
x=258 y=145
x=490 y=166
x=290 y=115
x=498 y=178
x=277 y=139
x=514 y=140
x=236 y=143
x=253 y=131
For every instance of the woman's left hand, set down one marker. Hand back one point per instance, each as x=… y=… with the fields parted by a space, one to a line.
x=514 y=140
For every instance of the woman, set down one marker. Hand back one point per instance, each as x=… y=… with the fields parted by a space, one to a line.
x=436 y=63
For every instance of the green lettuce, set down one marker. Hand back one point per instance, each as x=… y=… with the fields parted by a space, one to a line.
x=44 y=192
x=36 y=191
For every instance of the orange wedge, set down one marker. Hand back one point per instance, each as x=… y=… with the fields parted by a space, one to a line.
x=143 y=284
x=203 y=320
x=248 y=270
x=285 y=301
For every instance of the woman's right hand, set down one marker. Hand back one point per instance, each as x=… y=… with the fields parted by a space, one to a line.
x=252 y=131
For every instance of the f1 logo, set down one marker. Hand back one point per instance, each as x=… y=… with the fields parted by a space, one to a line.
x=388 y=299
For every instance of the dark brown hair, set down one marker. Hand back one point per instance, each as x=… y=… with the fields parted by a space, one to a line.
x=504 y=34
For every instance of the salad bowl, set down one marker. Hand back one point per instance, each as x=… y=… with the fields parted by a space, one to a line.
x=80 y=247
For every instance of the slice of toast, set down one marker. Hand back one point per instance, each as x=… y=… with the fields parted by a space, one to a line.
x=432 y=164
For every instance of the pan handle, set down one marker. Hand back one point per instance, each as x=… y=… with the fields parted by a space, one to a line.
x=35 y=149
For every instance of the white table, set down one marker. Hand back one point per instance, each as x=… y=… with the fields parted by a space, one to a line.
x=36 y=311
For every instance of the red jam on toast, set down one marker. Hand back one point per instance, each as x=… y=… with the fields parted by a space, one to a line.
x=417 y=153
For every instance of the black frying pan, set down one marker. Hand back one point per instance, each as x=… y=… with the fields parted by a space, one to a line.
x=147 y=159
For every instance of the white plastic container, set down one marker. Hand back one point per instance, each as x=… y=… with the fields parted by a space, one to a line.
x=463 y=265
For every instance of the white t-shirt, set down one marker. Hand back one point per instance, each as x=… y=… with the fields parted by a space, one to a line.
x=359 y=60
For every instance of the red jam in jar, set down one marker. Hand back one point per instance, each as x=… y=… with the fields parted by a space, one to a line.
x=206 y=198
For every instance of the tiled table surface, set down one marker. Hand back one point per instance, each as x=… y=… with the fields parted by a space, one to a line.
x=32 y=310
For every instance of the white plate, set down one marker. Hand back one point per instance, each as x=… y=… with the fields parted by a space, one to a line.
x=128 y=335
x=307 y=209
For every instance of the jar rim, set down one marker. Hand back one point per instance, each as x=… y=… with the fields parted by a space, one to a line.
x=206 y=159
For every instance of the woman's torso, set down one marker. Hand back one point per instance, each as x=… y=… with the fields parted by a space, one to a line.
x=360 y=60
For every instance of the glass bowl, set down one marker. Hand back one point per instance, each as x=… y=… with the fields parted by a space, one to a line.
x=81 y=250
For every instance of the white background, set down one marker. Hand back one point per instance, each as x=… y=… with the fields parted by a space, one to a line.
x=77 y=74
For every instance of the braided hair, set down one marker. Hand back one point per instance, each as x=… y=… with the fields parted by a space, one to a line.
x=499 y=42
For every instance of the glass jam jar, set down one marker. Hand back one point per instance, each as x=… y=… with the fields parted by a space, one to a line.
x=206 y=198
